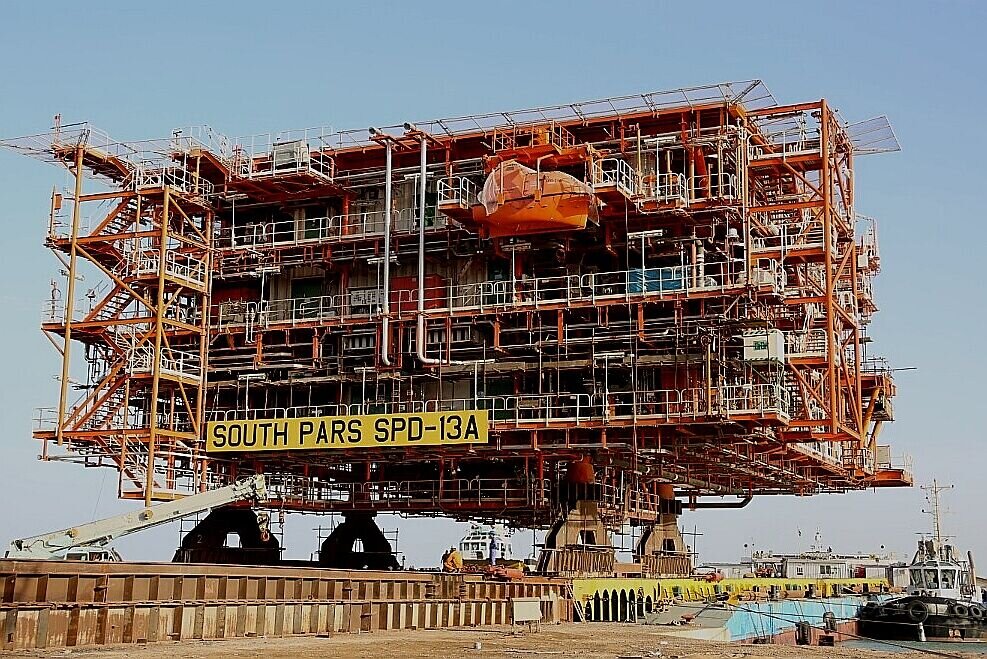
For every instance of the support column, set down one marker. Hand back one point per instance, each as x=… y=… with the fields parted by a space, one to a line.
x=579 y=542
x=70 y=295
x=661 y=549
x=156 y=357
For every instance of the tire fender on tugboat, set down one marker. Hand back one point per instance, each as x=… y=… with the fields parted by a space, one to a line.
x=918 y=611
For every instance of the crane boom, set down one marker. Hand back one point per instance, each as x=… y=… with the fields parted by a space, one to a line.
x=102 y=532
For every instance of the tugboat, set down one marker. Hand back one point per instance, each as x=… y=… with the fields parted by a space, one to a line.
x=940 y=600
x=484 y=545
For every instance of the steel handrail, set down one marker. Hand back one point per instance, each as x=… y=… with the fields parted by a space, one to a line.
x=520 y=409
x=713 y=186
x=458 y=190
x=615 y=172
x=520 y=293
x=785 y=143
x=663 y=188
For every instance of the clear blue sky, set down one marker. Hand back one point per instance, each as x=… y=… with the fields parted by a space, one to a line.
x=138 y=71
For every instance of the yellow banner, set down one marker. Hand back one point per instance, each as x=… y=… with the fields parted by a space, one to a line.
x=342 y=432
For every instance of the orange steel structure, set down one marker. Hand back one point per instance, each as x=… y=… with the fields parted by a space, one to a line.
x=701 y=324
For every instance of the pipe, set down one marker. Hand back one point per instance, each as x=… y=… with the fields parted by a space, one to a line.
x=385 y=326
x=420 y=330
x=724 y=504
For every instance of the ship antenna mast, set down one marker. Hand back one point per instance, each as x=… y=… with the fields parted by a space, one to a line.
x=932 y=496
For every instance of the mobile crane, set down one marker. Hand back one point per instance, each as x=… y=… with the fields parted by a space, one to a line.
x=89 y=541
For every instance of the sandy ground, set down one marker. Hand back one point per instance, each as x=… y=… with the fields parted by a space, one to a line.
x=600 y=640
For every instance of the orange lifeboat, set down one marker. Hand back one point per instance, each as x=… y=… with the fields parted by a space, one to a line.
x=517 y=200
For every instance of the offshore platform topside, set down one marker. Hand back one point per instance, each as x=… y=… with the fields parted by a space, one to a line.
x=571 y=317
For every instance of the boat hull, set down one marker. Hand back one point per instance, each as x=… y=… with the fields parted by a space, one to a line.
x=911 y=618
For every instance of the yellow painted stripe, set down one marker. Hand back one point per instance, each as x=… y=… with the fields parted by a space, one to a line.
x=697 y=590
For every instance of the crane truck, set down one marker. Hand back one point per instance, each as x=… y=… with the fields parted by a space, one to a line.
x=90 y=541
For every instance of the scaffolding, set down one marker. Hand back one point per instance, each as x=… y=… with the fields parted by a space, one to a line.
x=703 y=326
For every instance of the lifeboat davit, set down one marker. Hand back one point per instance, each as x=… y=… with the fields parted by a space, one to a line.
x=517 y=200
